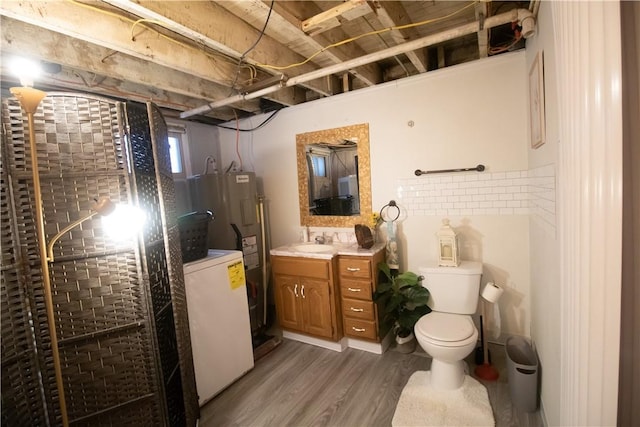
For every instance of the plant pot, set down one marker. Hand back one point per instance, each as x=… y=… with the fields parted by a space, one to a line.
x=406 y=344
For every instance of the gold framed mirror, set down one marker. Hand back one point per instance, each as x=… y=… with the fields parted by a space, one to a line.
x=334 y=176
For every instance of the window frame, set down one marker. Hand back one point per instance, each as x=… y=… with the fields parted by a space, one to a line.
x=178 y=136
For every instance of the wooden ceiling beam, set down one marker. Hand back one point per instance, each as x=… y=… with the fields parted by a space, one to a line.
x=86 y=82
x=209 y=24
x=328 y=19
x=17 y=38
x=483 y=34
x=286 y=29
x=114 y=33
x=392 y=14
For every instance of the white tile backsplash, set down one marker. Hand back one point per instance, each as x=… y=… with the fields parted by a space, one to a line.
x=528 y=192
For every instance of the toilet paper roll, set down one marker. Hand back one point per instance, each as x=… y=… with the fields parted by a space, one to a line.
x=492 y=292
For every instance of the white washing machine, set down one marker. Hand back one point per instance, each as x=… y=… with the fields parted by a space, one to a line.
x=218 y=321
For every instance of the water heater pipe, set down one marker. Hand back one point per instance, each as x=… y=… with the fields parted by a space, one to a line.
x=265 y=270
x=515 y=15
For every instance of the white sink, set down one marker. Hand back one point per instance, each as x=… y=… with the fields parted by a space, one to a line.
x=313 y=248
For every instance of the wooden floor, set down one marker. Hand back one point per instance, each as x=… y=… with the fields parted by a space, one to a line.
x=302 y=385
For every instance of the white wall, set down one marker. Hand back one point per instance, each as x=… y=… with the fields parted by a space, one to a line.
x=462 y=116
x=544 y=243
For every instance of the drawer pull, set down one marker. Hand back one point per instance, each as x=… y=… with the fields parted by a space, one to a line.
x=295 y=290
x=303 y=291
x=357 y=310
x=354 y=289
x=358 y=329
x=353 y=269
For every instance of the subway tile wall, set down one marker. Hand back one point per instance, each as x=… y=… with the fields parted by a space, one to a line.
x=528 y=192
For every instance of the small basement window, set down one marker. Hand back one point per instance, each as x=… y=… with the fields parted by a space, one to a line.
x=319 y=165
x=175 y=152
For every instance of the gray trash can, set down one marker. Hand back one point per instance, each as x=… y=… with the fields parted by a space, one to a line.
x=522 y=366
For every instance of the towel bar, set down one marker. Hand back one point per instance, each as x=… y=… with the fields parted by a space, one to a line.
x=478 y=168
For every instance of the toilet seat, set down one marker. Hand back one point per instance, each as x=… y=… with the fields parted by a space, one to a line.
x=446 y=329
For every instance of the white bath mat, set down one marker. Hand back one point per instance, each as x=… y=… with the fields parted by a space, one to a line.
x=421 y=405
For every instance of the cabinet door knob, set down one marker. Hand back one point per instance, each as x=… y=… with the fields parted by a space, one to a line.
x=295 y=290
x=302 y=290
x=354 y=289
x=353 y=269
x=357 y=310
x=358 y=329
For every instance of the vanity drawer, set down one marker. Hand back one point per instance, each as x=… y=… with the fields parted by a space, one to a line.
x=355 y=267
x=305 y=267
x=360 y=328
x=358 y=309
x=355 y=289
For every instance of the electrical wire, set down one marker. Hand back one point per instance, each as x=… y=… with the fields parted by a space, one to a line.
x=211 y=54
x=370 y=33
x=238 y=137
x=265 y=122
x=496 y=50
x=150 y=21
x=264 y=27
x=241 y=59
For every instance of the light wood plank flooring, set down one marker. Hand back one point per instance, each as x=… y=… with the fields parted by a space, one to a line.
x=302 y=385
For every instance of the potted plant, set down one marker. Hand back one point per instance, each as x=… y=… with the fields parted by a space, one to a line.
x=402 y=300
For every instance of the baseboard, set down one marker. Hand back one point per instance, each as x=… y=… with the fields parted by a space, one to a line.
x=339 y=346
x=371 y=347
x=344 y=343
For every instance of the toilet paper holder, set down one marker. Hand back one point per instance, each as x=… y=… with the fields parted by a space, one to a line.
x=492 y=292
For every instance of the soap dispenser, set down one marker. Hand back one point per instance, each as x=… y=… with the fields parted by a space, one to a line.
x=304 y=234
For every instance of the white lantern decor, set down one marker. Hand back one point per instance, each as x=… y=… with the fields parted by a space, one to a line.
x=448 y=250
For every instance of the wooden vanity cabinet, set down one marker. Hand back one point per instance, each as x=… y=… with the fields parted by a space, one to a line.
x=305 y=296
x=358 y=277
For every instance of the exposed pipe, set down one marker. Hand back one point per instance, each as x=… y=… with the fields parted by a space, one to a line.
x=265 y=269
x=473 y=27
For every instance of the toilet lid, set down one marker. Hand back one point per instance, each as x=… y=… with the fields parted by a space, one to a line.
x=446 y=326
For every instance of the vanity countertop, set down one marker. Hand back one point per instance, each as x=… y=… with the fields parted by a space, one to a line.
x=312 y=250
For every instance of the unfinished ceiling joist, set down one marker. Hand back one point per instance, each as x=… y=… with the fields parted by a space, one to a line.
x=516 y=15
x=329 y=18
x=144 y=11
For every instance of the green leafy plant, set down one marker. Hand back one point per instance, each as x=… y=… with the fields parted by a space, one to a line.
x=401 y=298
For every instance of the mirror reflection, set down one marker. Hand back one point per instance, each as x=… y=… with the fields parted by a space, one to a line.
x=333 y=176
x=332 y=168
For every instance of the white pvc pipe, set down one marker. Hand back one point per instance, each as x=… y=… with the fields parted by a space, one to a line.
x=473 y=27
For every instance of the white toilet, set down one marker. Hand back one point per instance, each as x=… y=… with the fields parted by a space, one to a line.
x=448 y=333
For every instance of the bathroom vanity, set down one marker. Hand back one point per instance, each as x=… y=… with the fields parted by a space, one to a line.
x=306 y=296
x=323 y=295
x=358 y=279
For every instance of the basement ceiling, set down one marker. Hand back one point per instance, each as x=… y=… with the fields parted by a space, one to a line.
x=212 y=60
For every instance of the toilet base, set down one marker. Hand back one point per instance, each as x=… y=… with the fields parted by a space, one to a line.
x=447 y=375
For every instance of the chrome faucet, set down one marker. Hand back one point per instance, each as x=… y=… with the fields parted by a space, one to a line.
x=324 y=239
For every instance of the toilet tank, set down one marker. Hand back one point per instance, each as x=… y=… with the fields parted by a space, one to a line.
x=453 y=289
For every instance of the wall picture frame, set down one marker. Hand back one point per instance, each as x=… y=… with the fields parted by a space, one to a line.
x=536 y=101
